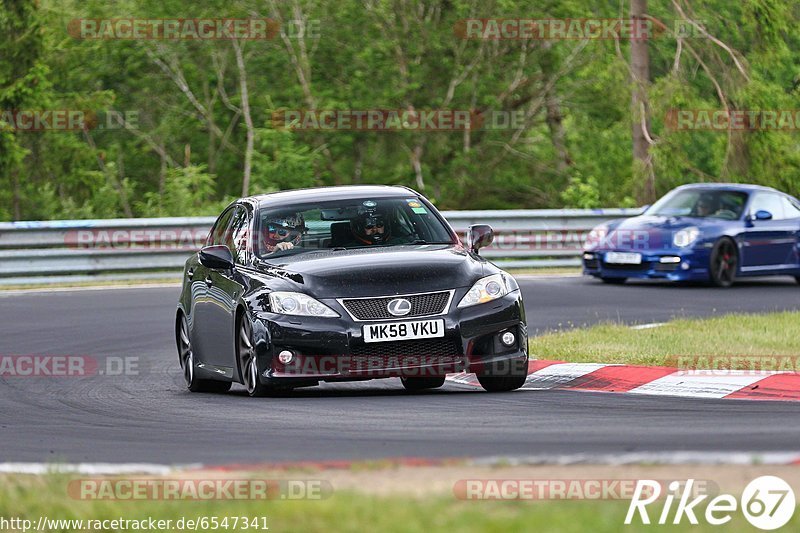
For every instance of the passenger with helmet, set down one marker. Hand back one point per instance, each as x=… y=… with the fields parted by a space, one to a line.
x=281 y=233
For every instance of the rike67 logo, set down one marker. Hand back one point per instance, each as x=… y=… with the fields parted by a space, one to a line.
x=767 y=502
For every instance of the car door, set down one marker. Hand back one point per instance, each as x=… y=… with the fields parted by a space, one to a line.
x=224 y=289
x=205 y=328
x=791 y=210
x=768 y=244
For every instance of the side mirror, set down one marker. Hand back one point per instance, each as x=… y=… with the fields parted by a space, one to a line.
x=479 y=236
x=762 y=214
x=218 y=257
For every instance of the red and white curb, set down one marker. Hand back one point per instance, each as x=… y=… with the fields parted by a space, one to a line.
x=656 y=380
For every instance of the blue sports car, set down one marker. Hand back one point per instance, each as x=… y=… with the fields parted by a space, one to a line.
x=701 y=232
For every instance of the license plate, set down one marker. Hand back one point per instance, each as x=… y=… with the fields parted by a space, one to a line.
x=623 y=258
x=397 y=331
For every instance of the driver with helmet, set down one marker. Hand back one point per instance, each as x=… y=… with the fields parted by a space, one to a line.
x=370 y=226
x=281 y=233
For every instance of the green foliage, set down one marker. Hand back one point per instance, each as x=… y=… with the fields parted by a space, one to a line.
x=281 y=163
x=184 y=149
x=187 y=191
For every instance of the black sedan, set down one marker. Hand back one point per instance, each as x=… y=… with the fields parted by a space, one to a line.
x=342 y=284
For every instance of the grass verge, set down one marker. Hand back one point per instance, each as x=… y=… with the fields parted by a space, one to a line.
x=769 y=334
x=546 y=271
x=110 y=283
x=31 y=497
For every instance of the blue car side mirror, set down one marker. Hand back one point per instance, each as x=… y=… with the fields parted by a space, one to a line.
x=761 y=214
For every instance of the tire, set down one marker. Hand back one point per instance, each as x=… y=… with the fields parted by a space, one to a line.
x=188 y=362
x=614 y=281
x=247 y=360
x=797 y=278
x=422 y=383
x=723 y=263
x=512 y=378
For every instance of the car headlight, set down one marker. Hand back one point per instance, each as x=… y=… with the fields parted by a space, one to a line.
x=485 y=290
x=595 y=237
x=299 y=304
x=685 y=237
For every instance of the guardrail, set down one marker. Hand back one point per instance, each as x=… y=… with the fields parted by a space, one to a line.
x=54 y=251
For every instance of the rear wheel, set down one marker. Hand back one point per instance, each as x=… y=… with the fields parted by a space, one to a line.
x=723 y=264
x=422 y=383
x=248 y=362
x=188 y=363
x=614 y=281
x=510 y=376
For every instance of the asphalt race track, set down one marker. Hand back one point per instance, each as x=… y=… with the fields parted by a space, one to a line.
x=150 y=417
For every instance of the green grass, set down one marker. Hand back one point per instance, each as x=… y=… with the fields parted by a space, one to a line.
x=93 y=283
x=30 y=497
x=546 y=271
x=735 y=334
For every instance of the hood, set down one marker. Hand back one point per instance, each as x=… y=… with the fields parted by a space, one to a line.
x=649 y=232
x=378 y=271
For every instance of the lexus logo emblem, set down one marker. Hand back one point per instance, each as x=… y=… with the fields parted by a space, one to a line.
x=399 y=307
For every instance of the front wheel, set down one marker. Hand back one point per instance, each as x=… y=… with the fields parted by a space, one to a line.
x=509 y=378
x=248 y=362
x=723 y=264
x=188 y=363
x=422 y=383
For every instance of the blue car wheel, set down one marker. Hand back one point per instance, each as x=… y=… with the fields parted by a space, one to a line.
x=724 y=262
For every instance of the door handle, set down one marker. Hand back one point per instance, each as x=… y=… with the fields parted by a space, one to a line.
x=190 y=274
x=208 y=281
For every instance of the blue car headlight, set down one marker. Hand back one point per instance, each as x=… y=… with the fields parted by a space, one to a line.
x=685 y=237
x=595 y=237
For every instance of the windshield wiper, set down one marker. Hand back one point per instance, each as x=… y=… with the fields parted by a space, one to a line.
x=423 y=241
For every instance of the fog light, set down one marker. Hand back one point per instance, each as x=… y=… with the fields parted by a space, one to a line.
x=685 y=266
x=508 y=338
x=285 y=357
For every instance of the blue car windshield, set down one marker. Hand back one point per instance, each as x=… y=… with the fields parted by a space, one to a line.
x=700 y=203
x=345 y=224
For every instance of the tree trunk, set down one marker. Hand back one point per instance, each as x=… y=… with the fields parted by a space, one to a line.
x=640 y=72
x=17 y=211
x=248 y=119
x=555 y=119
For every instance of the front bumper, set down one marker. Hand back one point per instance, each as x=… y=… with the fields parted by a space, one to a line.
x=675 y=265
x=333 y=349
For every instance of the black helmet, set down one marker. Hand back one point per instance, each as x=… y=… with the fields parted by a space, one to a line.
x=368 y=218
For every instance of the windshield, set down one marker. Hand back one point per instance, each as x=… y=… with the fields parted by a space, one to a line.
x=345 y=224
x=700 y=203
